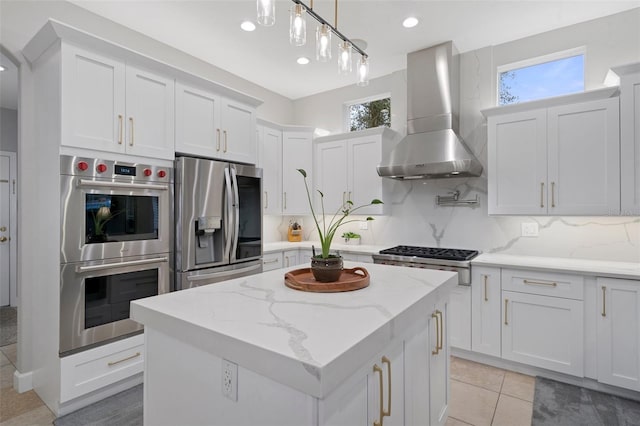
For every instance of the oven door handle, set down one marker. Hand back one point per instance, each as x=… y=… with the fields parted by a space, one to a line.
x=121 y=264
x=221 y=274
x=121 y=185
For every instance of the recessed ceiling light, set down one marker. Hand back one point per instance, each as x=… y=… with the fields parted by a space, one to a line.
x=410 y=22
x=248 y=26
x=302 y=60
x=1 y=68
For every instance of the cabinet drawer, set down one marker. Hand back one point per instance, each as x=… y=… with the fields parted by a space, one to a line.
x=543 y=283
x=96 y=368
x=271 y=261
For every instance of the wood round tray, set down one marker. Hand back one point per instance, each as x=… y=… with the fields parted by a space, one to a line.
x=351 y=279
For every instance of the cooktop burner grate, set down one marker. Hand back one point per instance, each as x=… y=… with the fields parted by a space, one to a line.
x=431 y=252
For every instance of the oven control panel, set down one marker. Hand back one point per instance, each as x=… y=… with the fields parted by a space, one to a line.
x=109 y=169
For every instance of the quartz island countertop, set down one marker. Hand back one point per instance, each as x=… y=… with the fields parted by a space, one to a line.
x=308 y=341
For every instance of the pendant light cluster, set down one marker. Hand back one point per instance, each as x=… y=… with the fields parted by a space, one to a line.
x=298 y=36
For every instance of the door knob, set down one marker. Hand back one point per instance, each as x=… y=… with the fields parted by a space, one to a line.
x=3 y=239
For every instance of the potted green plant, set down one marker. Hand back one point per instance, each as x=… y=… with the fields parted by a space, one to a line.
x=327 y=267
x=351 y=238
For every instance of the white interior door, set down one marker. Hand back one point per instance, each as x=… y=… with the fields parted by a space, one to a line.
x=8 y=294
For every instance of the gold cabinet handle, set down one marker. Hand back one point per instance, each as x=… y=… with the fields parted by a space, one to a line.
x=287 y=259
x=604 y=301
x=506 y=303
x=387 y=361
x=224 y=132
x=541 y=195
x=112 y=363
x=486 y=298
x=3 y=239
x=344 y=197
x=440 y=333
x=120 y=126
x=553 y=194
x=3 y=229
x=265 y=262
x=217 y=139
x=131 y=125
x=378 y=422
x=349 y=197
x=285 y=200
x=266 y=200
x=551 y=284
x=437 y=350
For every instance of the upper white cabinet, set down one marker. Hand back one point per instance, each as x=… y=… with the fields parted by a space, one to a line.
x=630 y=137
x=619 y=332
x=297 y=153
x=557 y=160
x=211 y=125
x=270 y=160
x=108 y=105
x=346 y=169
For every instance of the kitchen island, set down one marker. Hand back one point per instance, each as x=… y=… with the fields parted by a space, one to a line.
x=252 y=351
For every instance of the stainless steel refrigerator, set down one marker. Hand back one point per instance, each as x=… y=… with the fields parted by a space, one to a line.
x=218 y=221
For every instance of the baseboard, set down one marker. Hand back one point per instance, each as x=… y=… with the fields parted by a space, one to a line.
x=584 y=382
x=22 y=382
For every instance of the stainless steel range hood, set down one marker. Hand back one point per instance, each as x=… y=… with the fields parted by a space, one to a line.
x=432 y=148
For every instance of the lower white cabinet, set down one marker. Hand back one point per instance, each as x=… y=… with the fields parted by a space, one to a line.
x=439 y=392
x=271 y=261
x=304 y=257
x=543 y=331
x=485 y=310
x=619 y=332
x=460 y=317
x=99 y=367
x=289 y=258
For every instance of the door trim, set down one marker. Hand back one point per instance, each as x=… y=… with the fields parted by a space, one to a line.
x=13 y=218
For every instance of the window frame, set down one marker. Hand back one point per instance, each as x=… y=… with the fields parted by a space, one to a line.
x=346 y=116
x=550 y=57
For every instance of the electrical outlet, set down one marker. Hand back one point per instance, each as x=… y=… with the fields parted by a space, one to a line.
x=364 y=225
x=529 y=229
x=230 y=380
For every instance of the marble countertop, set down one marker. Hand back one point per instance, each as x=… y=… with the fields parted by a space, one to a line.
x=336 y=246
x=308 y=341
x=628 y=270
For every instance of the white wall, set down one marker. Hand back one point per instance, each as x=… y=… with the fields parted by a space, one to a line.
x=415 y=219
x=8 y=130
x=20 y=20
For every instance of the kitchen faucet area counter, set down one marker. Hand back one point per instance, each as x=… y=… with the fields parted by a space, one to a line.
x=306 y=344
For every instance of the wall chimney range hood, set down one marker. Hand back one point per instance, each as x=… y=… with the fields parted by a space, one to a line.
x=432 y=148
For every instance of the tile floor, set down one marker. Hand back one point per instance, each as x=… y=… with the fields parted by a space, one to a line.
x=480 y=395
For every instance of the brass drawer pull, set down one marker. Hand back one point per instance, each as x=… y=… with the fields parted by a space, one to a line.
x=217 y=139
x=224 y=132
x=378 y=422
x=120 y=129
x=551 y=284
x=486 y=298
x=506 y=303
x=112 y=363
x=266 y=200
x=541 y=195
x=264 y=262
x=604 y=301
x=437 y=350
x=386 y=360
x=440 y=332
x=132 y=132
x=553 y=194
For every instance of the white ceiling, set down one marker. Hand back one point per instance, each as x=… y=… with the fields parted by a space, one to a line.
x=8 y=83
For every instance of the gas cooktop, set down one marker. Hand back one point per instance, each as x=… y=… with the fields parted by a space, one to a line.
x=431 y=253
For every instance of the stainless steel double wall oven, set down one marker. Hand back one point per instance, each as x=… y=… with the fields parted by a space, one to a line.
x=116 y=246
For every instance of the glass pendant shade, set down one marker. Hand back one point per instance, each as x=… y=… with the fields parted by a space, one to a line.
x=344 y=58
x=363 y=71
x=323 y=43
x=266 y=12
x=297 y=26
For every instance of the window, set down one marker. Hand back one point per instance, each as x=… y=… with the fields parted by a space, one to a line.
x=372 y=113
x=552 y=75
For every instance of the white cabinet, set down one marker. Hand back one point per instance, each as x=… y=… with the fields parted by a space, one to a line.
x=290 y=258
x=630 y=138
x=270 y=160
x=108 y=105
x=304 y=257
x=460 y=317
x=385 y=388
x=439 y=392
x=214 y=126
x=619 y=332
x=541 y=326
x=297 y=153
x=558 y=160
x=346 y=169
x=485 y=310
x=271 y=261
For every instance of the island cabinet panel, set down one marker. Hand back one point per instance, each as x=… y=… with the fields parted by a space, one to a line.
x=619 y=332
x=109 y=105
x=485 y=310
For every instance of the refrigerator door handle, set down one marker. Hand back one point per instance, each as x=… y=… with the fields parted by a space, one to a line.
x=236 y=205
x=230 y=218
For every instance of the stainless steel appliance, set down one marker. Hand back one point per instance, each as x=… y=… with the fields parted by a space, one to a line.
x=115 y=246
x=444 y=259
x=218 y=221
